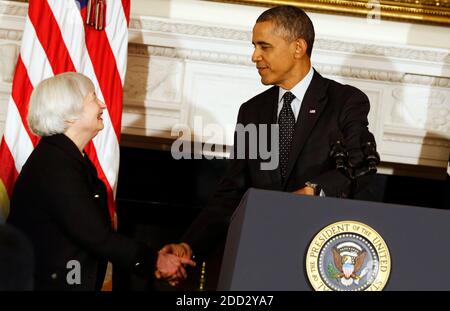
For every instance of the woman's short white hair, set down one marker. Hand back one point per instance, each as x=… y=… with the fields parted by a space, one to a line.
x=56 y=100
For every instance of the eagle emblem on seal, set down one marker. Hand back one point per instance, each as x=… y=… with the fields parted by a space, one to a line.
x=348 y=259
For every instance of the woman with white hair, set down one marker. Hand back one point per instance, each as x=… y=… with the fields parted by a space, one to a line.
x=60 y=203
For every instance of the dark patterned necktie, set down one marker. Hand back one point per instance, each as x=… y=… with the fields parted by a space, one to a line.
x=286 y=122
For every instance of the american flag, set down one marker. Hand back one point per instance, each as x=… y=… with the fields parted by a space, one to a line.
x=57 y=39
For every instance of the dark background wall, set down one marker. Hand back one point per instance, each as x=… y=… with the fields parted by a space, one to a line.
x=158 y=197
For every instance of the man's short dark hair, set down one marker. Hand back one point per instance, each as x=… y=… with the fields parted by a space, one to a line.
x=291 y=23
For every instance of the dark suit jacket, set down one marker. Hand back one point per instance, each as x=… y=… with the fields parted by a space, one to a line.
x=60 y=204
x=328 y=107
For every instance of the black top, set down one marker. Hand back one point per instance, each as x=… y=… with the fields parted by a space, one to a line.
x=61 y=205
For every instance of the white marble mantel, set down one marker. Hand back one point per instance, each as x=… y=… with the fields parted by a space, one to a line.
x=182 y=68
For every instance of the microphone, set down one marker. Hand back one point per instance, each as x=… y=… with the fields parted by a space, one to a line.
x=338 y=152
x=369 y=148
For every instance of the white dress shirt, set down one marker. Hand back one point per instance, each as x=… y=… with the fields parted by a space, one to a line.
x=299 y=91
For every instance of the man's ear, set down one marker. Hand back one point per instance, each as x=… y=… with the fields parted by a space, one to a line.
x=300 y=47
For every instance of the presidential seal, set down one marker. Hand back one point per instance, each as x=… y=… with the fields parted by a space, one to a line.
x=348 y=256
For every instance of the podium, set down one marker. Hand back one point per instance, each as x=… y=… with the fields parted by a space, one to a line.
x=272 y=234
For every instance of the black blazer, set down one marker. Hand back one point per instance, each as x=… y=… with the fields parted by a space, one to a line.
x=60 y=204
x=328 y=107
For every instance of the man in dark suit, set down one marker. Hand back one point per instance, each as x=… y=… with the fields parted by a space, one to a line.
x=311 y=112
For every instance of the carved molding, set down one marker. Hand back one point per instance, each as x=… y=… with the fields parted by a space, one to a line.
x=426 y=80
x=417 y=54
x=150 y=24
x=326 y=69
x=13 y=8
x=415 y=140
x=208 y=56
x=165 y=86
x=11 y=35
x=381 y=75
x=421 y=108
x=8 y=59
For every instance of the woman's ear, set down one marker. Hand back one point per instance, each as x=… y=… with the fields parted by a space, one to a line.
x=70 y=122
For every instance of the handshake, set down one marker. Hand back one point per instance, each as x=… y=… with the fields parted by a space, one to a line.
x=172 y=261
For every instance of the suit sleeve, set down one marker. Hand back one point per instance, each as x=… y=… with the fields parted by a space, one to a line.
x=352 y=123
x=75 y=209
x=212 y=223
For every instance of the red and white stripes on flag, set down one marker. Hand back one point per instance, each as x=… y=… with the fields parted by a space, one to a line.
x=56 y=39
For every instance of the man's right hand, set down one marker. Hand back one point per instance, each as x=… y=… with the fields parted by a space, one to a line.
x=172 y=268
x=182 y=251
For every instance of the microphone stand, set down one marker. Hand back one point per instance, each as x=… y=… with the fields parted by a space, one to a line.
x=371 y=160
x=341 y=159
x=339 y=154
